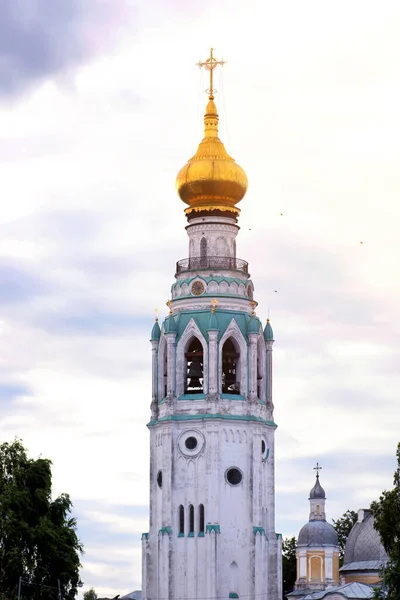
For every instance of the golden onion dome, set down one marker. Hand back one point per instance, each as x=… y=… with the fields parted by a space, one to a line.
x=211 y=179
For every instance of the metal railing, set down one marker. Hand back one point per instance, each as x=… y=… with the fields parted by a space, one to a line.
x=197 y=263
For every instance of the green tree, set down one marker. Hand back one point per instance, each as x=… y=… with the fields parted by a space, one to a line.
x=38 y=539
x=90 y=595
x=343 y=526
x=386 y=513
x=288 y=564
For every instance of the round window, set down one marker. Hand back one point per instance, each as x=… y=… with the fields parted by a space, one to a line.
x=191 y=443
x=262 y=446
x=234 y=476
x=159 y=479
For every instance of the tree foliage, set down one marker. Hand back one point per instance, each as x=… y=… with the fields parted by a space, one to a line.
x=288 y=564
x=38 y=539
x=343 y=526
x=90 y=595
x=386 y=513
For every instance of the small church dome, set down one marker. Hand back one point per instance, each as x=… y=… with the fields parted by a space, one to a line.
x=317 y=533
x=317 y=491
x=364 y=543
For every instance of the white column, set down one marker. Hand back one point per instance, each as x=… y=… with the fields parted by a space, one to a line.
x=171 y=364
x=268 y=345
x=212 y=361
x=253 y=337
x=211 y=564
x=259 y=567
x=154 y=378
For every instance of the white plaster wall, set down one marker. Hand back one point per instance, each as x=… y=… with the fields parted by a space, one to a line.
x=220 y=234
x=201 y=479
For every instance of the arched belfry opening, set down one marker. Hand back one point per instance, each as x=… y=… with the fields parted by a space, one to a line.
x=230 y=368
x=194 y=368
x=261 y=371
x=165 y=372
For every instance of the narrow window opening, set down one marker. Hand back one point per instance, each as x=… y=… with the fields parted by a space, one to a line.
x=203 y=253
x=201 y=518
x=203 y=247
x=165 y=372
x=181 y=520
x=230 y=368
x=191 y=518
x=194 y=368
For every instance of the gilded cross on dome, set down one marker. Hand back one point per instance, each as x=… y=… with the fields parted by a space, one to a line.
x=317 y=468
x=210 y=64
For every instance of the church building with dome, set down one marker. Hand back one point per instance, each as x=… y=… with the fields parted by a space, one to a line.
x=317 y=556
x=317 y=550
x=212 y=483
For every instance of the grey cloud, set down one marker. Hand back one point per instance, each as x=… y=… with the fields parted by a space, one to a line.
x=18 y=284
x=39 y=38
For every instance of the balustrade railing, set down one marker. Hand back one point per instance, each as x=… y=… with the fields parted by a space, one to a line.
x=197 y=263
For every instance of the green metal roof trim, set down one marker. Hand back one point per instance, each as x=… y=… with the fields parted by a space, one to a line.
x=213 y=295
x=202 y=320
x=201 y=416
x=217 y=279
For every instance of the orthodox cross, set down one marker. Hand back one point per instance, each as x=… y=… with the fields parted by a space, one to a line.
x=214 y=303
x=156 y=312
x=169 y=304
x=210 y=64
x=317 y=468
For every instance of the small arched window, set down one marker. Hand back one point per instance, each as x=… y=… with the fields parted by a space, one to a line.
x=181 y=520
x=191 y=518
x=201 y=518
x=203 y=247
x=194 y=368
x=230 y=368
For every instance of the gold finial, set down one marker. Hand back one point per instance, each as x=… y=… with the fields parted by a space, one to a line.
x=253 y=304
x=156 y=311
x=210 y=64
x=214 y=303
x=169 y=304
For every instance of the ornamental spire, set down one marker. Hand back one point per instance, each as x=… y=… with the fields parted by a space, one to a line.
x=210 y=64
x=211 y=181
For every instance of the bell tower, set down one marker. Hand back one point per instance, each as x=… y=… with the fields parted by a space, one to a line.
x=212 y=492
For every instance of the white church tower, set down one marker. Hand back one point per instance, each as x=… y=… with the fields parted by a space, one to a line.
x=212 y=514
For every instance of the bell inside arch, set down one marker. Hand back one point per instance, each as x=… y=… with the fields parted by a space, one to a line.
x=194 y=371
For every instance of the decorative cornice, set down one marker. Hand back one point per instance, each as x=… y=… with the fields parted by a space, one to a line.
x=214 y=527
x=165 y=530
x=217 y=416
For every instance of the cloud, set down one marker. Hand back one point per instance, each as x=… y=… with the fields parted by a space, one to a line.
x=41 y=39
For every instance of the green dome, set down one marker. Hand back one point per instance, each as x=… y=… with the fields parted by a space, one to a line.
x=268 y=333
x=254 y=325
x=155 y=332
x=170 y=325
x=213 y=322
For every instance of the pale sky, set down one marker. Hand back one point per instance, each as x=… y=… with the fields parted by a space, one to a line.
x=101 y=104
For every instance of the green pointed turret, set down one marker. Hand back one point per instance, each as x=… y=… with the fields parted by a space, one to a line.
x=268 y=333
